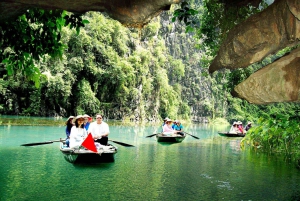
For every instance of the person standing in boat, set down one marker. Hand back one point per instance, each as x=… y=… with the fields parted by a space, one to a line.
x=99 y=130
x=248 y=126
x=178 y=127
x=69 y=125
x=78 y=132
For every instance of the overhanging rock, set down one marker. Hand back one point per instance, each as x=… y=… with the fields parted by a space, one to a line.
x=133 y=13
x=277 y=82
x=260 y=35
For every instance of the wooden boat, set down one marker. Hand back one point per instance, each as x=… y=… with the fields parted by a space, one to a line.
x=161 y=137
x=105 y=154
x=228 y=134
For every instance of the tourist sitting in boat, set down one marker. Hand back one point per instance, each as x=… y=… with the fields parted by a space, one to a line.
x=248 y=126
x=78 y=132
x=240 y=127
x=234 y=128
x=69 y=125
x=178 y=127
x=99 y=130
x=86 y=121
x=167 y=128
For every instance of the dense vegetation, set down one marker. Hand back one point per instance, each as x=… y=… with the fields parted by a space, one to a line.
x=142 y=75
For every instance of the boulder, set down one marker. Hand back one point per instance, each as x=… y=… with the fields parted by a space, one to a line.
x=260 y=35
x=277 y=82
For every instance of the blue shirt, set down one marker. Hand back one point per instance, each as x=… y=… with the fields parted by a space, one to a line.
x=178 y=128
x=86 y=126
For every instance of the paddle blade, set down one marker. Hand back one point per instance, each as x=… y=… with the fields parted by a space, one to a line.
x=89 y=143
x=152 y=135
x=122 y=143
x=37 y=143
x=192 y=135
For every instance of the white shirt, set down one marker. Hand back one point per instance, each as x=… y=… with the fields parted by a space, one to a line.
x=76 y=137
x=98 y=130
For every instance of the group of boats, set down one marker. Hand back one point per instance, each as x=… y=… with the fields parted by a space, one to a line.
x=105 y=153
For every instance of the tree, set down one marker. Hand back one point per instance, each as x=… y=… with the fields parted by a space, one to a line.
x=31 y=36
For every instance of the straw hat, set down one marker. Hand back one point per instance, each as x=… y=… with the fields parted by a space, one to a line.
x=70 y=117
x=249 y=122
x=168 y=120
x=239 y=122
x=78 y=117
x=234 y=123
x=85 y=115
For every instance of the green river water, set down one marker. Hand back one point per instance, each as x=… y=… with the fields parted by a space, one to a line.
x=212 y=168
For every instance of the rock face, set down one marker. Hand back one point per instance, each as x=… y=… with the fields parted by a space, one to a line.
x=278 y=81
x=262 y=34
x=133 y=13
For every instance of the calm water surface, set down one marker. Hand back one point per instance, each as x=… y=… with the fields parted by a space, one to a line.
x=212 y=168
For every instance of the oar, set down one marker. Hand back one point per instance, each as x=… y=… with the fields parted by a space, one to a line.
x=152 y=135
x=191 y=135
x=41 y=143
x=122 y=143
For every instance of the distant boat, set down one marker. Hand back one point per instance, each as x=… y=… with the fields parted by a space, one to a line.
x=105 y=154
x=228 y=134
x=170 y=138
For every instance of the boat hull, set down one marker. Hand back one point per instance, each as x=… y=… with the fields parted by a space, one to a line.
x=227 y=134
x=87 y=156
x=172 y=138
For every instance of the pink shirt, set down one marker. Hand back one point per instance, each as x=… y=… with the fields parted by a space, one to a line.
x=168 y=128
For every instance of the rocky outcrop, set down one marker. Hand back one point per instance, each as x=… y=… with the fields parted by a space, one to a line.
x=278 y=81
x=133 y=13
x=260 y=35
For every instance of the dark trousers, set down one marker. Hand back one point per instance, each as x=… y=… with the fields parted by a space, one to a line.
x=102 y=141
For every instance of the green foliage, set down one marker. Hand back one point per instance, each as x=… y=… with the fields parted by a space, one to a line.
x=216 y=21
x=187 y=15
x=30 y=37
x=280 y=133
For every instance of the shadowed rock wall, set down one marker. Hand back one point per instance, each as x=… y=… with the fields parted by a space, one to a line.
x=278 y=81
x=260 y=35
x=133 y=13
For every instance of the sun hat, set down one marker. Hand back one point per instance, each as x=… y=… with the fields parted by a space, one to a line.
x=249 y=122
x=70 y=117
x=85 y=115
x=239 y=122
x=168 y=120
x=78 y=117
x=234 y=123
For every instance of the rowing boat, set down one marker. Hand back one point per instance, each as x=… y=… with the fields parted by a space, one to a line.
x=105 y=154
x=228 y=134
x=163 y=137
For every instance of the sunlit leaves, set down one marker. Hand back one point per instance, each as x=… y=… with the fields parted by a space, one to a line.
x=33 y=35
